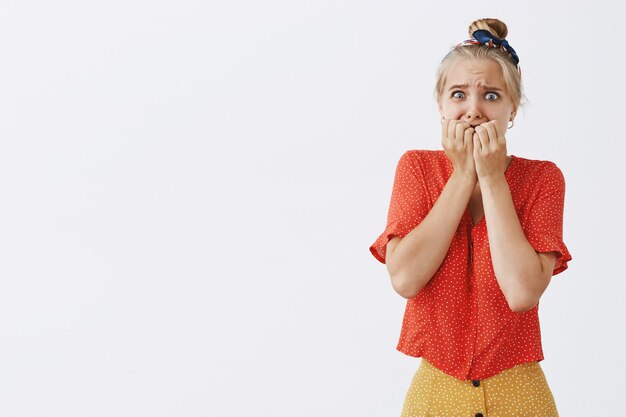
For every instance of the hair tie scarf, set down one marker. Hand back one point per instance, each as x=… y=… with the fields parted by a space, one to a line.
x=484 y=37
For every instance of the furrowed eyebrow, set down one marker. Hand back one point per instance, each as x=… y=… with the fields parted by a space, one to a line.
x=484 y=87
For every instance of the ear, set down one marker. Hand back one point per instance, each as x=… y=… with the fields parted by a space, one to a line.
x=440 y=108
x=513 y=113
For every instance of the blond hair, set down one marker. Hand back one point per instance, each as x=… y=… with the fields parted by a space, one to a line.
x=510 y=74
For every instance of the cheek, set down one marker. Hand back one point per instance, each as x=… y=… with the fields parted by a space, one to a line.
x=504 y=113
x=502 y=117
x=452 y=111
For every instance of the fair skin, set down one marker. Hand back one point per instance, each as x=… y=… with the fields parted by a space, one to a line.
x=476 y=108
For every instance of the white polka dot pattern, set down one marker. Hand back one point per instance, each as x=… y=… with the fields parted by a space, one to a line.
x=460 y=321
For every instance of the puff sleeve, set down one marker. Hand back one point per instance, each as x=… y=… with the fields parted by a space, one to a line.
x=409 y=204
x=544 y=222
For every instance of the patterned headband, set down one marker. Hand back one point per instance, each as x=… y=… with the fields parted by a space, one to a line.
x=484 y=37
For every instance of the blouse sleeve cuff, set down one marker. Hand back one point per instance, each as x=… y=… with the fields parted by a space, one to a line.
x=379 y=247
x=548 y=243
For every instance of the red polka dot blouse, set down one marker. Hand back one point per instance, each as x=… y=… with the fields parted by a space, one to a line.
x=460 y=321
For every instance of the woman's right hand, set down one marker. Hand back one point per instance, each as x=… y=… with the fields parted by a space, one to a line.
x=457 y=141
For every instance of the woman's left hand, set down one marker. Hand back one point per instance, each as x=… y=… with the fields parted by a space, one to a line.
x=489 y=150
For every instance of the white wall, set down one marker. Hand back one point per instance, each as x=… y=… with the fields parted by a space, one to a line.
x=189 y=190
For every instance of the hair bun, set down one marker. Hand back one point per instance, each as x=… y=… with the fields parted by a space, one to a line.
x=495 y=26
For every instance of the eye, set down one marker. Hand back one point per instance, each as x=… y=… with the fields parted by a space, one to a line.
x=455 y=94
x=491 y=96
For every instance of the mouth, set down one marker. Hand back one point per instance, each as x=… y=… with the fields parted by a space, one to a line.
x=471 y=125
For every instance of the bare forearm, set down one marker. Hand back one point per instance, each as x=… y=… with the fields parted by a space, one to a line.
x=419 y=254
x=515 y=262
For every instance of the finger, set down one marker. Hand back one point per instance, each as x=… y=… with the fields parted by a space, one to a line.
x=458 y=134
x=491 y=132
x=444 y=131
x=449 y=126
x=477 y=144
x=452 y=128
x=483 y=135
x=467 y=137
x=500 y=133
x=459 y=129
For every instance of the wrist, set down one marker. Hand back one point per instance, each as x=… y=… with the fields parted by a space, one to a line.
x=468 y=178
x=492 y=181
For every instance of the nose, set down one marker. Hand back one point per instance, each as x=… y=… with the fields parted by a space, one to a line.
x=473 y=112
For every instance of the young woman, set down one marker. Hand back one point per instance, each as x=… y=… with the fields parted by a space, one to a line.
x=472 y=240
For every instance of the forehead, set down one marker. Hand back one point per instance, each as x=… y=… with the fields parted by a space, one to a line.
x=475 y=72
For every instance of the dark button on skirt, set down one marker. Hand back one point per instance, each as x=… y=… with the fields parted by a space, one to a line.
x=523 y=387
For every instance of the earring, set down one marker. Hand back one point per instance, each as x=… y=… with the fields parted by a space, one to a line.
x=512 y=123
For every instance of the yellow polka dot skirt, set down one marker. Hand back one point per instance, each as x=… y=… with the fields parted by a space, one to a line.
x=521 y=391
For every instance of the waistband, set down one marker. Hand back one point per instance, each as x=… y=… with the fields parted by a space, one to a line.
x=532 y=368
